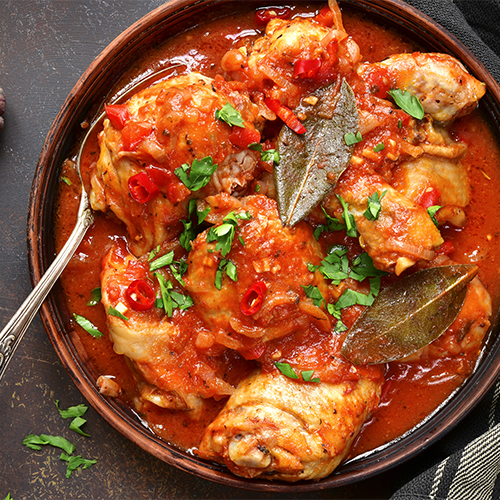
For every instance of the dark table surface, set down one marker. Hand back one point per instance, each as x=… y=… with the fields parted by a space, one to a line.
x=45 y=46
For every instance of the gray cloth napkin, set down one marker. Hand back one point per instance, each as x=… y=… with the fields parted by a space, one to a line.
x=466 y=463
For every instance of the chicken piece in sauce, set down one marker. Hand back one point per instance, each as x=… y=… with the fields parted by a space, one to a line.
x=159 y=129
x=161 y=354
x=293 y=58
x=281 y=429
x=263 y=251
x=403 y=233
x=441 y=83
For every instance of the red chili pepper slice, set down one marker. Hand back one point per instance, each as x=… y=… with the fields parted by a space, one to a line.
x=429 y=198
x=263 y=16
x=142 y=188
x=307 y=68
x=286 y=114
x=140 y=295
x=242 y=137
x=118 y=115
x=253 y=299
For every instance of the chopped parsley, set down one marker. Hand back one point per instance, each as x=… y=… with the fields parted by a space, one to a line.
x=379 y=147
x=224 y=233
x=35 y=442
x=288 y=371
x=95 y=297
x=169 y=299
x=408 y=102
x=432 y=213
x=177 y=267
x=199 y=173
x=350 y=225
x=335 y=266
x=162 y=261
x=351 y=138
x=314 y=293
x=87 y=326
x=225 y=266
x=115 y=312
x=266 y=155
x=229 y=115
x=332 y=224
x=190 y=227
x=74 y=462
x=373 y=210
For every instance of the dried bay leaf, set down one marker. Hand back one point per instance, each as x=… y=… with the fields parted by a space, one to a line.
x=408 y=315
x=311 y=163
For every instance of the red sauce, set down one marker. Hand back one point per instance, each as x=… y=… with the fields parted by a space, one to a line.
x=412 y=391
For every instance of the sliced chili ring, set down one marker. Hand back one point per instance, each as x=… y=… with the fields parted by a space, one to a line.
x=140 y=295
x=286 y=114
x=253 y=299
x=142 y=188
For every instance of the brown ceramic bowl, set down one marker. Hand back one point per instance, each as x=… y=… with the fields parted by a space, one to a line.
x=84 y=101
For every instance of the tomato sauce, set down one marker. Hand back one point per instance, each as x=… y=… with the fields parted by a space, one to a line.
x=412 y=390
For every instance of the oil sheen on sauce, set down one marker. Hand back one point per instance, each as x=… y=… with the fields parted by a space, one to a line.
x=412 y=391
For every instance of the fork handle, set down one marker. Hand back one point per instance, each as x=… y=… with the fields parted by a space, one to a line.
x=11 y=335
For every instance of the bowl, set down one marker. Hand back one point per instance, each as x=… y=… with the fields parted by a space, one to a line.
x=84 y=102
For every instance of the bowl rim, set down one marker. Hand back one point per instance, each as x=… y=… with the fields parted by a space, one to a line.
x=63 y=340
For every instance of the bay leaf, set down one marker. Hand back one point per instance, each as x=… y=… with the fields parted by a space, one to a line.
x=311 y=163
x=408 y=315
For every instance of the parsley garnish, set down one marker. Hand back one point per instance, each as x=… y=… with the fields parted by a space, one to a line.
x=35 y=442
x=165 y=286
x=229 y=115
x=189 y=233
x=289 y=372
x=362 y=267
x=267 y=155
x=229 y=268
x=177 y=267
x=114 y=312
x=76 y=413
x=199 y=173
x=95 y=297
x=314 y=293
x=162 y=261
x=432 y=212
x=351 y=138
x=74 y=462
x=169 y=299
x=379 y=147
x=335 y=266
x=153 y=253
x=87 y=326
x=332 y=224
x=408 y=102
x=224 y=234
x=307 y=376
x=373 y=210
x=350 y=225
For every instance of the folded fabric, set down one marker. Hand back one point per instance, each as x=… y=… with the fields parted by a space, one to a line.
x=472 y=464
